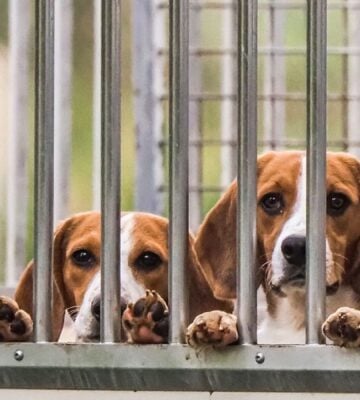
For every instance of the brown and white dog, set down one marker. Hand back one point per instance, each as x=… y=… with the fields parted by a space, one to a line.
x=281 y=240
x=76 y=278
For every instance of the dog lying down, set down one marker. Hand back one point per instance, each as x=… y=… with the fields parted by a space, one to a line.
x=281 y=220
x=76 y=282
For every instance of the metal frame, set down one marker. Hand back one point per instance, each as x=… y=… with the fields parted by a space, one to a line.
x=309 y=368
x=44 y=168
x=110 y=365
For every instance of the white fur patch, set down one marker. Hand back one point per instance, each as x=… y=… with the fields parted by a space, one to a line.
x=295 y=225
x=131 y=290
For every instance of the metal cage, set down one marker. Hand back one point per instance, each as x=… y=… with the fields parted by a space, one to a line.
x=111 y=365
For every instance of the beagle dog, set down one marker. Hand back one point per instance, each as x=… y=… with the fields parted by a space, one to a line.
x=281 y=244
x=76 y=281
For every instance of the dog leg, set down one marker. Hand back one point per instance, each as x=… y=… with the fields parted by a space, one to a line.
x=213 y=328
x=15 y=325
x=147 y=321
x=343 y=327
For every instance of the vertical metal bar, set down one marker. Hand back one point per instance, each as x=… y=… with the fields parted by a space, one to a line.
x=110 y=160
x=44 y=167
x=353 y=80
x=195 y=203
x=247 y=137
x=179 y=141
x=63 y=115
x=228 y=105
x=316 y=169
x=274 y=80
x=96 y=128
x=17 y=179
x=160 y=41
x=148 y=132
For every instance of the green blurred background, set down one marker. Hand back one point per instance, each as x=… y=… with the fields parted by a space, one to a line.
x=211 y=31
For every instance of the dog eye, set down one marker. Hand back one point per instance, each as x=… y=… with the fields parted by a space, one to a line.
x=83 y=258
x=272 y=203
x=148 y=261
x=337 y=203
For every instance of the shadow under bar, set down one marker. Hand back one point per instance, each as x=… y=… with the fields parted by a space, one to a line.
x=316 y=170
x=110 y=170
x=179 y=142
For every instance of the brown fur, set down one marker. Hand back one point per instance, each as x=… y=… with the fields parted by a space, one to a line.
x=278 y=172
x=82 y=231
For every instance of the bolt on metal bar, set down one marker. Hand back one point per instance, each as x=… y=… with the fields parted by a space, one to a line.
x=63 y=113
x=96 y=121
x=17 y=178
x=179 y=141
x=44 y=167
x=316 y=169
x=110 y=168
x=247 y=139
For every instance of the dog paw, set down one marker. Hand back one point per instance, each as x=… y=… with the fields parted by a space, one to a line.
x=213 y=328
x=15 y=325
x=147 y=321
x=343 y=327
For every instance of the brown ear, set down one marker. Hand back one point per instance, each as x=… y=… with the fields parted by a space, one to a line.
x=215 y=246
x=24 y=290
x=200 y=294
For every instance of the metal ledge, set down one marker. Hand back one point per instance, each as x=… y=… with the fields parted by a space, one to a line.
x=311 y=368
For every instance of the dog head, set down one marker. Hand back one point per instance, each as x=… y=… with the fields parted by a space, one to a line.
x=281 y=224
x=76 y=267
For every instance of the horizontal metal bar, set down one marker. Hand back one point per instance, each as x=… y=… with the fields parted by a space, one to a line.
x=268 y=50
x=294 y=96
x=288 y=5
x=311 y=368
x=287 y=142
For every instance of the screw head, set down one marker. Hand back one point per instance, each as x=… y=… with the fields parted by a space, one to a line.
x=259 y=358
x=18 y=355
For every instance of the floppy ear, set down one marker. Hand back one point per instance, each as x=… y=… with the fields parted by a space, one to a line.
x=24 y=290
x=215 y=243
x=201 y=295
x=215 y=246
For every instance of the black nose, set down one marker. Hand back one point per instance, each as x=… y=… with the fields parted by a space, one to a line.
x=95 y=307
x=294 y=250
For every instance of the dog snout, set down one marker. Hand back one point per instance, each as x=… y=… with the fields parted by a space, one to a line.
x=294 y=250
x=96 y=307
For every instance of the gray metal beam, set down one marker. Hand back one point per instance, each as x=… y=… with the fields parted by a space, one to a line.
x=18 y=139
x=147 y=22
x=44 y=167
x=110 y=173
x=316 y=170
x=247 y=154
x=179 y=168
x=175 y=367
